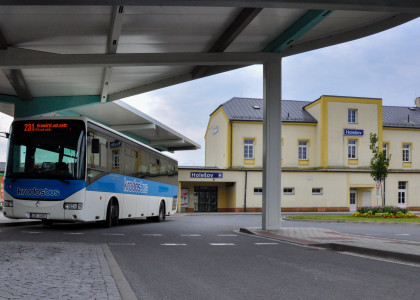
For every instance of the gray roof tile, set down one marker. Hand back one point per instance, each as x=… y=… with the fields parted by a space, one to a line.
x=398 y=116
x=251 y=109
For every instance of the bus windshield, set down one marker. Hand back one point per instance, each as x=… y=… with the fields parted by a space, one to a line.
x=47 y=149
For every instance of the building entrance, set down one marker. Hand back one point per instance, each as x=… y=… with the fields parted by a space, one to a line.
x=206 y=198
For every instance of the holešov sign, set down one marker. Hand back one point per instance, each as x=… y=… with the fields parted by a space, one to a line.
x=353 y=132
x=206 y=175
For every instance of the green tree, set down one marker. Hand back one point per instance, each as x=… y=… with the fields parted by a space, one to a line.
x=379 y=163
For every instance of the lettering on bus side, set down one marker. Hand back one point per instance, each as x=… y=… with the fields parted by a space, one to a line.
x=135 y=187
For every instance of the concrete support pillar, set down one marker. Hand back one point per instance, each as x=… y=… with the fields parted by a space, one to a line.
x=271 y=215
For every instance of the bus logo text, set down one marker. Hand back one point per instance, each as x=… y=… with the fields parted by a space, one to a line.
x=37 y=192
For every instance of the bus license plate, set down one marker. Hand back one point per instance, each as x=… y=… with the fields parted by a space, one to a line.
x=38 y=216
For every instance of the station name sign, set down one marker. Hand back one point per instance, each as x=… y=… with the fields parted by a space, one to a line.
x=115 y=144
x=206 y=175
x=353 y=132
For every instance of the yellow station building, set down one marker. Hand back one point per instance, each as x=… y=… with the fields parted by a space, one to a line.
x=325 y=156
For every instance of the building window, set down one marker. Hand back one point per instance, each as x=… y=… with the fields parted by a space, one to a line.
x=116 y=159
x=248 y=148
x=402 y=192
x=258 y=191
x=385 y=150
x=316 y=191
x=352 y=149
x=352 y=116
x=303 y=150
x=288 y=191
x=406 y=153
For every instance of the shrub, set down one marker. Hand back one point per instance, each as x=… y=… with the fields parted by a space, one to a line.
x=383 y=212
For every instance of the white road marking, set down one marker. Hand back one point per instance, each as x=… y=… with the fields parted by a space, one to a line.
x=227 y=235
x=222 y=244
x=31 y=232
x=263 y=244
x=152 y=234
x=122 y=244
x=193 y=234
x=402 y=234
x=73 y=233
x=113 y=234
x=167 y=244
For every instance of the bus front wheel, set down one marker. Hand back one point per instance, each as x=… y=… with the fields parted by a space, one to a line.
x=112 y=214
x=161 y=216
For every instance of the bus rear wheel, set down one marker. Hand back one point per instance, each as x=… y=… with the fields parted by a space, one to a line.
x=112 y=214
x=47 y=222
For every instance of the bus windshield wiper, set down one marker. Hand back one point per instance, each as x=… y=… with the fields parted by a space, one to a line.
x=63 y=180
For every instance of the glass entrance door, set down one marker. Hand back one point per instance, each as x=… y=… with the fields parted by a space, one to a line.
x=207 y=198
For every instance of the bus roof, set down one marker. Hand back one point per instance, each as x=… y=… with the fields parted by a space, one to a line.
x=86 y=120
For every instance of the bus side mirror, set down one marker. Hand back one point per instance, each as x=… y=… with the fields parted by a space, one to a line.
x=5 y=134
x=95 y=146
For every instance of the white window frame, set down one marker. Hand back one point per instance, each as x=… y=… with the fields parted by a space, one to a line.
x=303 y=150
x=288 y=191
x=385 y=149
x=402 y=192
x=406 y=152
x=352 y=149
x=352 y=116
x=249 y=150
x=353 y=196
x=315 y=192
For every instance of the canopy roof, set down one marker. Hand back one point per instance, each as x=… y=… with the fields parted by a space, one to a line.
x=58 y=55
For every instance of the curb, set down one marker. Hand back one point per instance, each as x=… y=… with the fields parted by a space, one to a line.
x=411 y=258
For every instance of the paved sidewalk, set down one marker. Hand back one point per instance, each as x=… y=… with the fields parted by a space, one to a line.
x=337 y=241
x=55 y=271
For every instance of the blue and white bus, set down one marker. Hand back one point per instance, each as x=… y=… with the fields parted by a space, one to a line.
x=72 y=169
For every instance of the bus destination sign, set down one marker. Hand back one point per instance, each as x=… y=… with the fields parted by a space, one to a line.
x=45 y=127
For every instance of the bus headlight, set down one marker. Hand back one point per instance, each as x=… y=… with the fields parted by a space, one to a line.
x=73 y=206
x=8 y=203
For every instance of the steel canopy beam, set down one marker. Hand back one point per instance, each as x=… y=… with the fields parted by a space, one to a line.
x=408 y=6
x=17 y=58
x=229 y=35
x=15 y=76
x=113 y=39
x=349 y=35
x=305 y=23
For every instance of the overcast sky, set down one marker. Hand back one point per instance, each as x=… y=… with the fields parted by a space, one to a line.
x=385 y=65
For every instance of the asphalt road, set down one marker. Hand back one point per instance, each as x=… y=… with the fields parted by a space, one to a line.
x=204 y=257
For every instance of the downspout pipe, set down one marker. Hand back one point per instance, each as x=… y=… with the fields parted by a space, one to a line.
x=246 y=184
